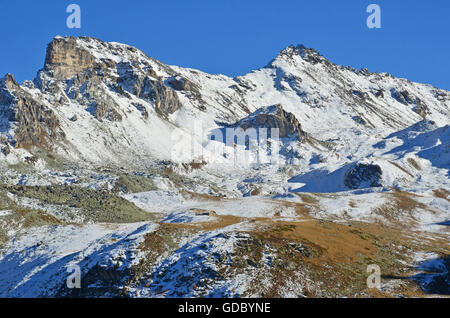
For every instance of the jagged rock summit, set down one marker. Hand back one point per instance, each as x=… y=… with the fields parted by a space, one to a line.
x=307 y=54
x=64 y=58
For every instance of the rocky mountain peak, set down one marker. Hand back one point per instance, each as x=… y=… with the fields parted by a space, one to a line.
x=98 y=69
x=64 y=58
x=8 y=82
x=307 y=54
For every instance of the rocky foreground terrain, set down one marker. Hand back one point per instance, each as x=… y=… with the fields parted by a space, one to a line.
x=124 y=166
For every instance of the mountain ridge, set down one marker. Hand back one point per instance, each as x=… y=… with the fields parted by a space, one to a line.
x=315 y=172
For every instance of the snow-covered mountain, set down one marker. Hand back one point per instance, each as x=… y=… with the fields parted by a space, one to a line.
x=342 y=146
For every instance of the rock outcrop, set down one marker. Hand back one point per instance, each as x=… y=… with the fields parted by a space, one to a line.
x=363 y=176
x=6 y=84
x=67 y=59
x=150 y=88
x=36 y=124
x=308 y=54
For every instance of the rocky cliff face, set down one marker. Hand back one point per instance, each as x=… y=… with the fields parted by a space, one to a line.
x=71 y=59
x=275 y=117
x=35 y=124
x=307 y=54
x=149 y=88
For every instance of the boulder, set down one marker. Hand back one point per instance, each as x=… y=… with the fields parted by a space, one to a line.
x=363 y=175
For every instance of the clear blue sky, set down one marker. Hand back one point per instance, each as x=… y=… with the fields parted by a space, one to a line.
x=234 y=37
